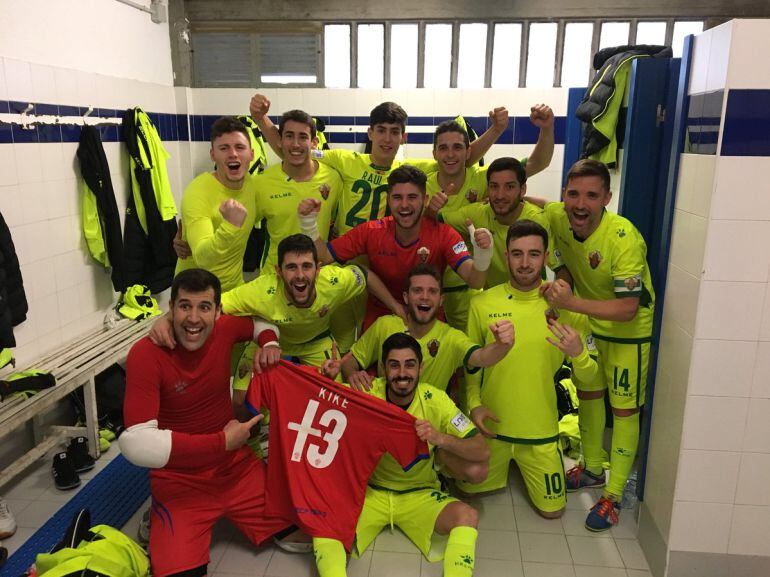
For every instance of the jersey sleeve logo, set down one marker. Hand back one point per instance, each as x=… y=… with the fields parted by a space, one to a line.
x=594 y=258
x=472 y=195
x=433 y=345
x=357 y=274
x=324 y=190
x=460 y=422
x=459 y=247
x=423 y=253
x=621 y=232
x=316 y=153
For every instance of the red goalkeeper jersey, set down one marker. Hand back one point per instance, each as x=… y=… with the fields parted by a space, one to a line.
x=325 y=441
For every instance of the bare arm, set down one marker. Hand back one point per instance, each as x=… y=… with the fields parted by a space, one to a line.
x=480 y=146
x=258 y=108
x=560 y=295
x=473 y=449
x=539 y=159
x=377 y=288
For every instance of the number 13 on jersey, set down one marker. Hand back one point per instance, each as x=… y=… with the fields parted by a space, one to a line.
x=315 y=457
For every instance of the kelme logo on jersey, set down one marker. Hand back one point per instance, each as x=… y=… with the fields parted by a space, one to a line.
x=423 y=253
x=459 y=247
x=594 y=258
x=472 y=195
x=433 y=345
x=324 y=190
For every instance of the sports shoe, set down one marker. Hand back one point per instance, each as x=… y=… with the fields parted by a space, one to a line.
x=579 y=478
x=7 y=520
x=143 y=532
x=64 y=474
x=78 y=454
x=603 y=515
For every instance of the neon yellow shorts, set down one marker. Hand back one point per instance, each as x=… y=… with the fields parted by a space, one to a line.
x=540 y=465
x=623 y=372
x=415 y=513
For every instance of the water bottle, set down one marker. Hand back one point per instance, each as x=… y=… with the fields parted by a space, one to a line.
x=629 y=499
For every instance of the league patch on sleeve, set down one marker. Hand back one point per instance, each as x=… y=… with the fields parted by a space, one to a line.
x=317 y=154
x=359 y=276
x=461 y=423
x=459 y=247
x=628 y=285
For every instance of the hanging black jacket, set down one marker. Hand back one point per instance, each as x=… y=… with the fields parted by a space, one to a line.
x=149 y=256
x=13 y=301
x=96 y=174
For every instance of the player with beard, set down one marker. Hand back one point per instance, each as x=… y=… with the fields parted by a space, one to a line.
x=413 y=500
x=396 y=243
x=506 y=187
x=218 y=208
x=444 y=349
x=607 y=258
x=516 y=407
x=455 y=186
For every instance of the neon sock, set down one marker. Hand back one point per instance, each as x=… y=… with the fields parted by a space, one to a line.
x=625 y=440
x=592 y=421
x=460 y=552
x=330 y=557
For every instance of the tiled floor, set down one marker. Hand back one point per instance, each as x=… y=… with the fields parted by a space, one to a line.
x=513 y=540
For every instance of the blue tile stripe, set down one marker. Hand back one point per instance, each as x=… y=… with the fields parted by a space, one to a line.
x=197 y=127
x=747 y=123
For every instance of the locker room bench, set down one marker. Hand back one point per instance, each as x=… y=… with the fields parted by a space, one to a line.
x=74 y=365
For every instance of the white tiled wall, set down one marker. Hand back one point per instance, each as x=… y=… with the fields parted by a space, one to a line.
x=718 y=284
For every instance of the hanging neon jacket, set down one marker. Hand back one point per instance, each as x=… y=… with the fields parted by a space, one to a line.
x=151 y=212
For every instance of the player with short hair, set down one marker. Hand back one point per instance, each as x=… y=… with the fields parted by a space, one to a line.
x=506 y=188
x=414 y=501
x=180 y=423
x=444 y=349
x=218 y=208
x=396 y=243
x=606 y=256
x=516 y=407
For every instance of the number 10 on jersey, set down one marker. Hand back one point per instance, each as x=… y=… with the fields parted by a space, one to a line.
x=305 y=429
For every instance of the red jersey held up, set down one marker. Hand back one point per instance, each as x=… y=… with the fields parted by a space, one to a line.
x=438 y=245
x=325 y=441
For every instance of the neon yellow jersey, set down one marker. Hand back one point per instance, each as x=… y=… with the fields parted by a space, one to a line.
x=365 y=185
x=435 y=406
x=278 y=197
x=265 y=297
x=520 y=388
x=482 y=215
x=611 y=263
x=216 y=245
x=444 y=349
x=474 y=189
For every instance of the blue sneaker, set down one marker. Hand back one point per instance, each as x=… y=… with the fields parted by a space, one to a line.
x=579 y=478
x=603 y=515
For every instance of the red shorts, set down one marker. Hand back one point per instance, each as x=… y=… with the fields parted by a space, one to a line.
x=185 y=507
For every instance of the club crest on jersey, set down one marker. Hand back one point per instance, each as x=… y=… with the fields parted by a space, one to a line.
x=324 y=310
x=632 y=283
x=594 y=258
x=433 y=345
x=324 y=190
x=423 y=253
x=472 y=195
x=551 y=314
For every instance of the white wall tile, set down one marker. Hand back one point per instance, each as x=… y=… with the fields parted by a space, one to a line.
x=69 y=305
x=682 y=294
x=715 y=423
x=729 y=310
x=45 y=313
x=719 y=55
x=750 y=530
x=366 y=99
x=10 y=205
x=28 y=167
x=18 y=80
x=8 y=174
x=753 y=485
x=315 y=101
x=39 y=279
x=688 y=242
x=696 y=183
x=3 y=87
x=675 y=354
x=32 y=196
x=764 y=329
x=66 y=87
x=36 y=244
x=448 y=102
x=52 y=161
x=43 y=84
x=757 y=427
x=742 y=189
x=761 y=385
x=699 y=66
x=750 y=37
x=87 y=91
x=731 y=250
x=722 y=368
x=700 y=527
x=707 y=476
x=424 y=102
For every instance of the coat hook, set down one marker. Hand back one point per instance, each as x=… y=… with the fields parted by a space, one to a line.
x=25 y=119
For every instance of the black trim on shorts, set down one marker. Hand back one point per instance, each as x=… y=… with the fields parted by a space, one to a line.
x=199 y=571
x=527 y=441
x=624 y=341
